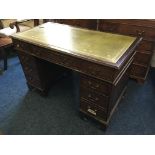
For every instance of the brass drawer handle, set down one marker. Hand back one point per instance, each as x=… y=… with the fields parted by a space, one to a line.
x=93 y=99
x=90 y=83
x=17 y=45
x=92 y=111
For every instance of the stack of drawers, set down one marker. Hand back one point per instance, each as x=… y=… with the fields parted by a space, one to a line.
x=40 y=74
x=141 y=63
x=98 y=98
x=30 y=70
x=94 y=97
x=145 y=28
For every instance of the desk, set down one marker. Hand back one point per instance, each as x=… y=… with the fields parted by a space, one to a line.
x=102 y=60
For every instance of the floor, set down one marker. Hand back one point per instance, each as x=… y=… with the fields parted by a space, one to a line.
x=24 y=112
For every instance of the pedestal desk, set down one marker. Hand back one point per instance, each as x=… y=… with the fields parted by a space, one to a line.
x=102 y=60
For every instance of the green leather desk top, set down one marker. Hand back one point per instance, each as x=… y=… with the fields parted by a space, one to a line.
x=77 y=41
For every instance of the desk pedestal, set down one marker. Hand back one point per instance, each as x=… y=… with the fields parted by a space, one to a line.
x=40 y=74
x=98 y=99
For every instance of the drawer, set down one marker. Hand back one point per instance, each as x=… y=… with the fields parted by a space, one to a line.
x=129 y=30
x=142 y=58
x=94 y=98
x=95 y=84
x=33 y=81
x=28 y=65
x=24 y=58
x=147 y=33
x=138 y=71
x=30 y=69
x=20 y=46
x=90 y=68
x=93 y=110
x=145 y=45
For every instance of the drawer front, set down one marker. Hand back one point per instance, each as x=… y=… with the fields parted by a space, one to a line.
x=145 y=46
x=147 y=33
x=142 y=58
x=95 y=84
x=32 y=80
x=28 y=63
x=138 y=71
x=93 y=110
x=90 y=68
x=30 y=70
x=94 y=98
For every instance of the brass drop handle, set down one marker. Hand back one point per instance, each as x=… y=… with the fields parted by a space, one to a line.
x=17 y=45
x=91 y=110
